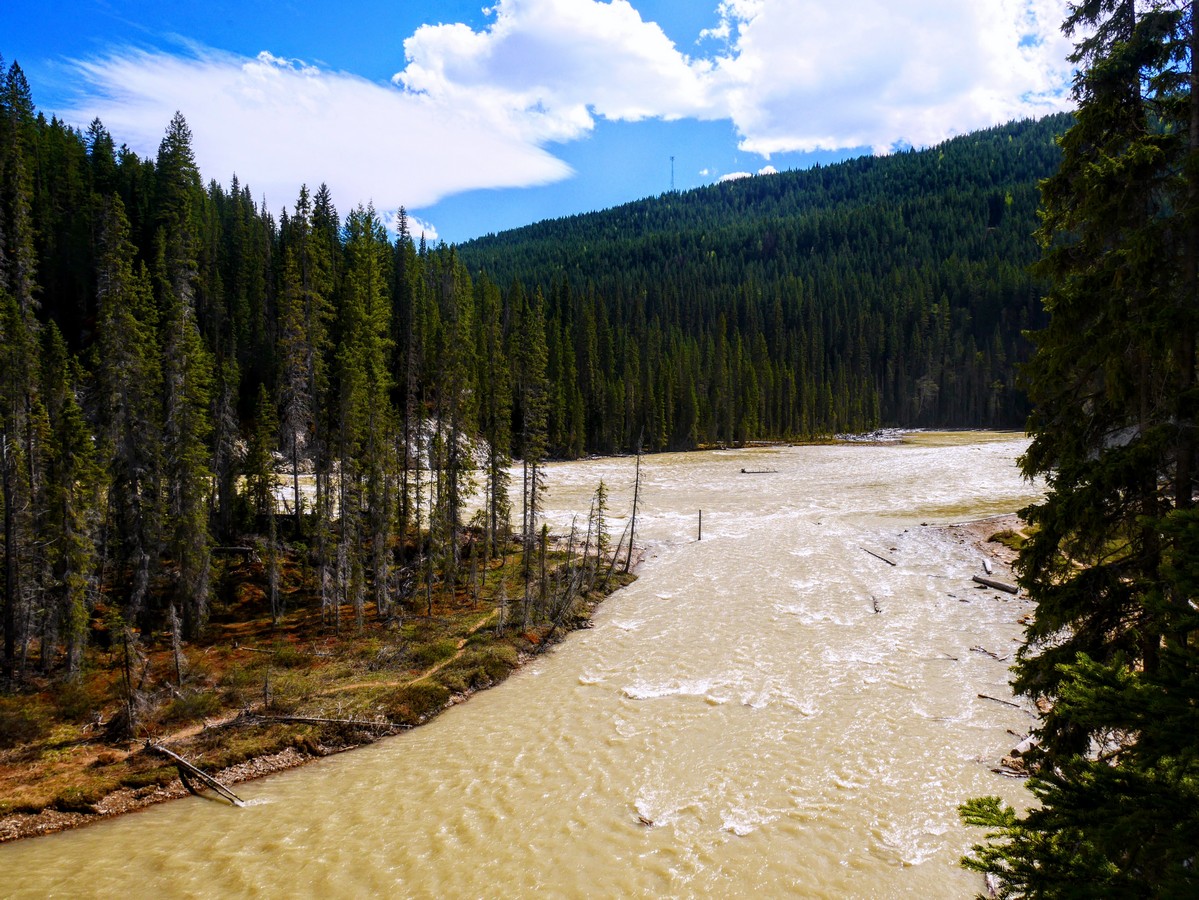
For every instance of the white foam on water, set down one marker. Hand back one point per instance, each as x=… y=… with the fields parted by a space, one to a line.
x=674 y=688
x=913 y=844
x=756 y=699
x=656 y=810
x=628 y=625
x=745 y=821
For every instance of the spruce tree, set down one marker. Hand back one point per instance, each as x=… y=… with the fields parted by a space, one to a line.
x=187 y=376
x=366 y=422
x=532 y=389
x=72 y=488
x=128 y=383
x=495 y=413
x=21 y=455
x=1113 y=563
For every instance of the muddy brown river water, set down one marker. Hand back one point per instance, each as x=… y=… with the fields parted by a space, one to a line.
x=743 y=698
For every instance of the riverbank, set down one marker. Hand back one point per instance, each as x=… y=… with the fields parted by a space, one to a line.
x=87 y=778
x=256 y=698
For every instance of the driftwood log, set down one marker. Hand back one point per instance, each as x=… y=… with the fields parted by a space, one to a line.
x=187 y=772
x=889 y=562
x=990 y=653
x=310 y=720
x=999 y=700
x=998 y=585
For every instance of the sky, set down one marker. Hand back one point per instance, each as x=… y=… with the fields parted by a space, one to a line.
x=480 y=118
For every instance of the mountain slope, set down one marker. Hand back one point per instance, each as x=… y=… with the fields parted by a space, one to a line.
x=879 y=290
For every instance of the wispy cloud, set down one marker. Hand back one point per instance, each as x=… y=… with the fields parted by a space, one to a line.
x=279 y=123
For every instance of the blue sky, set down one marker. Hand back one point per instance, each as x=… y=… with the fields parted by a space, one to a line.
x=483 y=118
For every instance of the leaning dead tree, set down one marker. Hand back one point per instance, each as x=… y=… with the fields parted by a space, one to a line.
x=189 y=774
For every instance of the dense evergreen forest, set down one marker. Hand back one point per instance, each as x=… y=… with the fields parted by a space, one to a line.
x=170 y=349
x=887 y=290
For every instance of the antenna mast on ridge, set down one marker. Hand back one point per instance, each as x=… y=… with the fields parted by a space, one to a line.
x=672 y=174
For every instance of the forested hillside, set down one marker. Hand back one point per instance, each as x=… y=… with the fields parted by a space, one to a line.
x=886 y=290
x=169 y=348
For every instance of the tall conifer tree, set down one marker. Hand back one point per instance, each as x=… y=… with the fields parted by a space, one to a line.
x=187 y=376
x=1114 y=562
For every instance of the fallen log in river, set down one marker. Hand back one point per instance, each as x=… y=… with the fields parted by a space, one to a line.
x=998 y=585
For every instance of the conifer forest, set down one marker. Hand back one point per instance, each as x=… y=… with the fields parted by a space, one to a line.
x=171 y=348
x=190 y=380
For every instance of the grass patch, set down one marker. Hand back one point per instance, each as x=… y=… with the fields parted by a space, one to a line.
x=191 y=708
x=427 y=655
x=1009 y=539
x=21 y=722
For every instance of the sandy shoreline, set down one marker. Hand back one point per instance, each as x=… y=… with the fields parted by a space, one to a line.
x=128 y=800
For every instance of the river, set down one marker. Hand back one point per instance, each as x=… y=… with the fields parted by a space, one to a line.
x=740 y=722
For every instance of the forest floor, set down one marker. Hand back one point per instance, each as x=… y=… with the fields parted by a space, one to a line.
x=232 y=706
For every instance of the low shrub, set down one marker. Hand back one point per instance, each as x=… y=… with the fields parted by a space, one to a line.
x=413 y=703
x=74 y=701
x=158 y=775
x=479 y=667
x=1009 y=539
x=79 y=800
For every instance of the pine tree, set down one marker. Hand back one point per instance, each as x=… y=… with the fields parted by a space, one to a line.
x=366 y=420
x=305 y=313
x=72 y=486
x=455 y=399
x=187 y=376
x=532 y=389
x=16 y=367
x=1114 y=559
x=495 y=413
x=128 y=368
x=21 y=455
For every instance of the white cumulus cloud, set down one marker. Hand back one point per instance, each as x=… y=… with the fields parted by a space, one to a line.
x=472 y=109
x=549 y=66
x=808 y=74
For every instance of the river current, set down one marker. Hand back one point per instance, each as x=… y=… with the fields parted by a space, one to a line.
x=740 y=722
